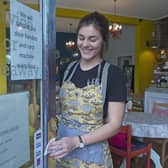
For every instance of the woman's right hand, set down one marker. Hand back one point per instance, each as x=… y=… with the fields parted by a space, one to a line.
x=60 y=148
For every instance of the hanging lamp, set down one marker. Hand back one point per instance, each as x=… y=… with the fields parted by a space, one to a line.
x=70 y=43
x=115 y=29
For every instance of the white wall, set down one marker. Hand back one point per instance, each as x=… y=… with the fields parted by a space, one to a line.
x=122 y=46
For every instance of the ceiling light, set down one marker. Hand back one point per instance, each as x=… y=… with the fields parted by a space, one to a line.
x=70 y=43
x=115 y=29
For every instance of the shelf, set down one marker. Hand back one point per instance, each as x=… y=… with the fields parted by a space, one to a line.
x=160 y=73
x=157 y=89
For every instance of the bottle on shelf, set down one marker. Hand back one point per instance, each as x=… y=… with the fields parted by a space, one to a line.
x=163 y=82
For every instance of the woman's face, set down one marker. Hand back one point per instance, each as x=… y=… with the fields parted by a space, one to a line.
x=89 y=42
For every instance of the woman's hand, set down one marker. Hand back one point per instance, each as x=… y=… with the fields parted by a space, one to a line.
x=60 y=148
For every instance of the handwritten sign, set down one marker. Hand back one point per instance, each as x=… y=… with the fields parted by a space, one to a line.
x=26 y=42
x=14 y=130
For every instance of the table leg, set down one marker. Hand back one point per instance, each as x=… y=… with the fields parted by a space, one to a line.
x=123 y=164
x=156 y=158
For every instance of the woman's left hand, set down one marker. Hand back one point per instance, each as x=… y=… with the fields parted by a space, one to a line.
x=60 y=148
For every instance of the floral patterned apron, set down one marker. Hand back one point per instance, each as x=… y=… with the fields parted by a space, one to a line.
x=82 y=112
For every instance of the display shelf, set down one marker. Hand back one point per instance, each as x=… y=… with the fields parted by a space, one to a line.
x=160 y=78
x=161 y=73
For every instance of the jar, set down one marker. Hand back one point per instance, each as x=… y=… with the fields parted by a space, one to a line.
x=163 y=82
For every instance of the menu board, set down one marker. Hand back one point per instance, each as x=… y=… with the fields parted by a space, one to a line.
x=14 y=130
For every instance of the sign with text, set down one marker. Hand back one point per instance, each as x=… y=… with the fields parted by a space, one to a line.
x=14 y=130
x=26 y=42
x=38 y=149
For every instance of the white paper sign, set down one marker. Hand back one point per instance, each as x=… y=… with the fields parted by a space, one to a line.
x=26 y=42
x=14 y=130
x=38 y=149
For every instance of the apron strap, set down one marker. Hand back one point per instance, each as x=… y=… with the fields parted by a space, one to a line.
x=104 y=80
x=67 y=70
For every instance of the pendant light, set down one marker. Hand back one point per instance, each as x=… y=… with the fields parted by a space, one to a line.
x=70 y=43
x=115 y=29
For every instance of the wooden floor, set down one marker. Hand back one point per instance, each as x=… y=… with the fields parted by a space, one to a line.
x=140 y=162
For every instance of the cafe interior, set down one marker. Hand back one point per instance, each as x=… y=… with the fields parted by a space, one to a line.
x=138 y=44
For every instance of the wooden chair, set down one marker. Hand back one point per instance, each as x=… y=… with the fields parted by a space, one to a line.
x=131 y=149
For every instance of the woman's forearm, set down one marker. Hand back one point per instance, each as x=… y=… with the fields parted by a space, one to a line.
x=101 y=133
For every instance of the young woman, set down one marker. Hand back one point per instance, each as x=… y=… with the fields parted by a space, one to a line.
x=82 y=134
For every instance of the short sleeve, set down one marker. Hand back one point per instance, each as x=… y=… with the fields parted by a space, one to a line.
x=116 y=85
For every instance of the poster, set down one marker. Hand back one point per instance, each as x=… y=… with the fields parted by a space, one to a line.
x=14 y=130
x=26 y=42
